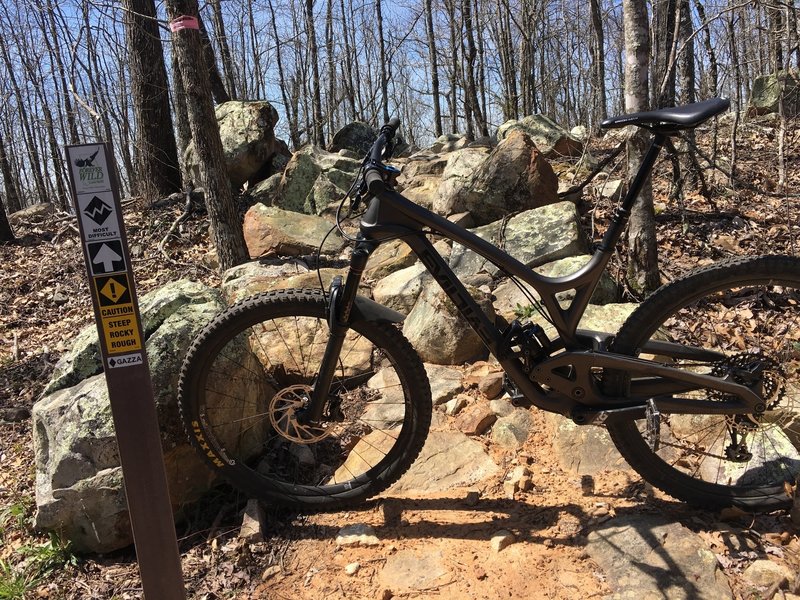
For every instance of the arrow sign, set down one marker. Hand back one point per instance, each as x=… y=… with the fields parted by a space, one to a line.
x=106 y=257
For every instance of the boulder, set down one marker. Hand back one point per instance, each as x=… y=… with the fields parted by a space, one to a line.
x=313 y=179
x=79 y=490
x=266 y=191
x=550 y=138
x=272 y=231
x=534 y=237
x=767 y=91
x=438 y=332
x=512 y=430
x=584 y=449
x=445 y=383
x=356 y=137
x=32 y=214
x=420 y=177
x=256 y=277
x=510 y=299
x=460 y=167
x=252 y=152
x=449 y=142
x=401 y=289
x=513 y=178
x=449 y=459
x=388 y=258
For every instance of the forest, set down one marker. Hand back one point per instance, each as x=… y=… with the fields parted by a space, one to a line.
x=85 y=70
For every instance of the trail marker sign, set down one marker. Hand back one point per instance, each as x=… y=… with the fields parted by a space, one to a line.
x=108 y=267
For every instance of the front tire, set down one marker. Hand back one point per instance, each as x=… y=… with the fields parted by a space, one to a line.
x=748 y=309
x=248 y=376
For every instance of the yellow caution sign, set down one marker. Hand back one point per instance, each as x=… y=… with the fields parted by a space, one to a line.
x=117 y=314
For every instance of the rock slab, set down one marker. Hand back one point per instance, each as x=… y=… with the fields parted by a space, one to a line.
x=647 y=558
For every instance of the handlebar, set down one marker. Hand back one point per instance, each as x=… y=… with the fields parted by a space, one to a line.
x=374 y=172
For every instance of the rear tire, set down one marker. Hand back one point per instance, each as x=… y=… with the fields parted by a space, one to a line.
x=247 y=377
x=749 y=309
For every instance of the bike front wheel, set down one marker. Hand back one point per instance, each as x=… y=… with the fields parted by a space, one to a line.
x=747 y=310
x=248 y=378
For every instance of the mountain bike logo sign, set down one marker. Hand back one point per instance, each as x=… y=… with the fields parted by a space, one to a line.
x=98 y=216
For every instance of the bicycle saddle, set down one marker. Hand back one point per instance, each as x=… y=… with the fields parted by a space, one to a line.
x=671 y=119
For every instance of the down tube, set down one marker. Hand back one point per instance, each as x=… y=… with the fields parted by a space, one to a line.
x=485 y=329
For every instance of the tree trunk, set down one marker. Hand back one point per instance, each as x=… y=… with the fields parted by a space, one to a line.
x=210 y=60
x=6 y=233
x=663 y=74
x=318 y=135
x=9 y=183
x=52 y=40
x=599 y=100
x=30 y=143
x=453 y=99
x=226 y=227
x=643 y=274
x=437 y=109
x=350 y=87
x=157 y=169
x=224 y=50
x=291 y=114
x=383 y=60
x=471 y=92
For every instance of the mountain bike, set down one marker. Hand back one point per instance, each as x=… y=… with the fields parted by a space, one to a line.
x=313 y=398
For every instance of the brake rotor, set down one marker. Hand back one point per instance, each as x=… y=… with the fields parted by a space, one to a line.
x=285 y=410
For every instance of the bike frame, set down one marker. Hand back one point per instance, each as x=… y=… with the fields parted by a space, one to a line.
x=569 y=375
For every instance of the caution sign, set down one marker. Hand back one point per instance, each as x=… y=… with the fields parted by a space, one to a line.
x=117 y=314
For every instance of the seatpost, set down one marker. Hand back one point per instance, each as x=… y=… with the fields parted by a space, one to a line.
x=623 y=211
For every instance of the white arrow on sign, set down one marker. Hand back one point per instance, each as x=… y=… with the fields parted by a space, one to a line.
x=107 y=257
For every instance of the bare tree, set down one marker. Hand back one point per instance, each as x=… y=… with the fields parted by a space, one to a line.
x=431 y=38
x=318 y=135
x=226 y=228
x=157 y=168
x=224 y=49
x=6 y=233
x=642 y=250
x=9 y=184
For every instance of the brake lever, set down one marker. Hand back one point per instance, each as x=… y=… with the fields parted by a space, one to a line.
x=357 y=199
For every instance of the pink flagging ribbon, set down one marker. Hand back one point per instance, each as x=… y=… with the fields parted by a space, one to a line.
x=183 y=22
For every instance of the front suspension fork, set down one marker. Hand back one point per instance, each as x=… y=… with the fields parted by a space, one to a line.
x=341 y=305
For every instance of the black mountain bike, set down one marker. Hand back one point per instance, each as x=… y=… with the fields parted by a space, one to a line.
x=315 y=399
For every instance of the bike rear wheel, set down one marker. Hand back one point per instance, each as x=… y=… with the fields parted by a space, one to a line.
x=748 y=310
x=248 y=377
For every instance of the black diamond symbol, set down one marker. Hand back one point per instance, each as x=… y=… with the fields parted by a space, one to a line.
x=112 y=362
x=97 y=210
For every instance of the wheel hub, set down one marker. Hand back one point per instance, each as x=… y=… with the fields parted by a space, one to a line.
x=285 y=413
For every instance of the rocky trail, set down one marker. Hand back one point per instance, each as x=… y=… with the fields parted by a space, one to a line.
x=502 y=503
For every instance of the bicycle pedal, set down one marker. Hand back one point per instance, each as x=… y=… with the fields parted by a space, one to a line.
x=653 y=418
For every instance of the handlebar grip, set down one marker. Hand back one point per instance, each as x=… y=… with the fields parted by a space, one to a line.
x=390 y=128
x=375 y=183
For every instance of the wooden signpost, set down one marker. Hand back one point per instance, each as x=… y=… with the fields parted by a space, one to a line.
x=96 y=198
